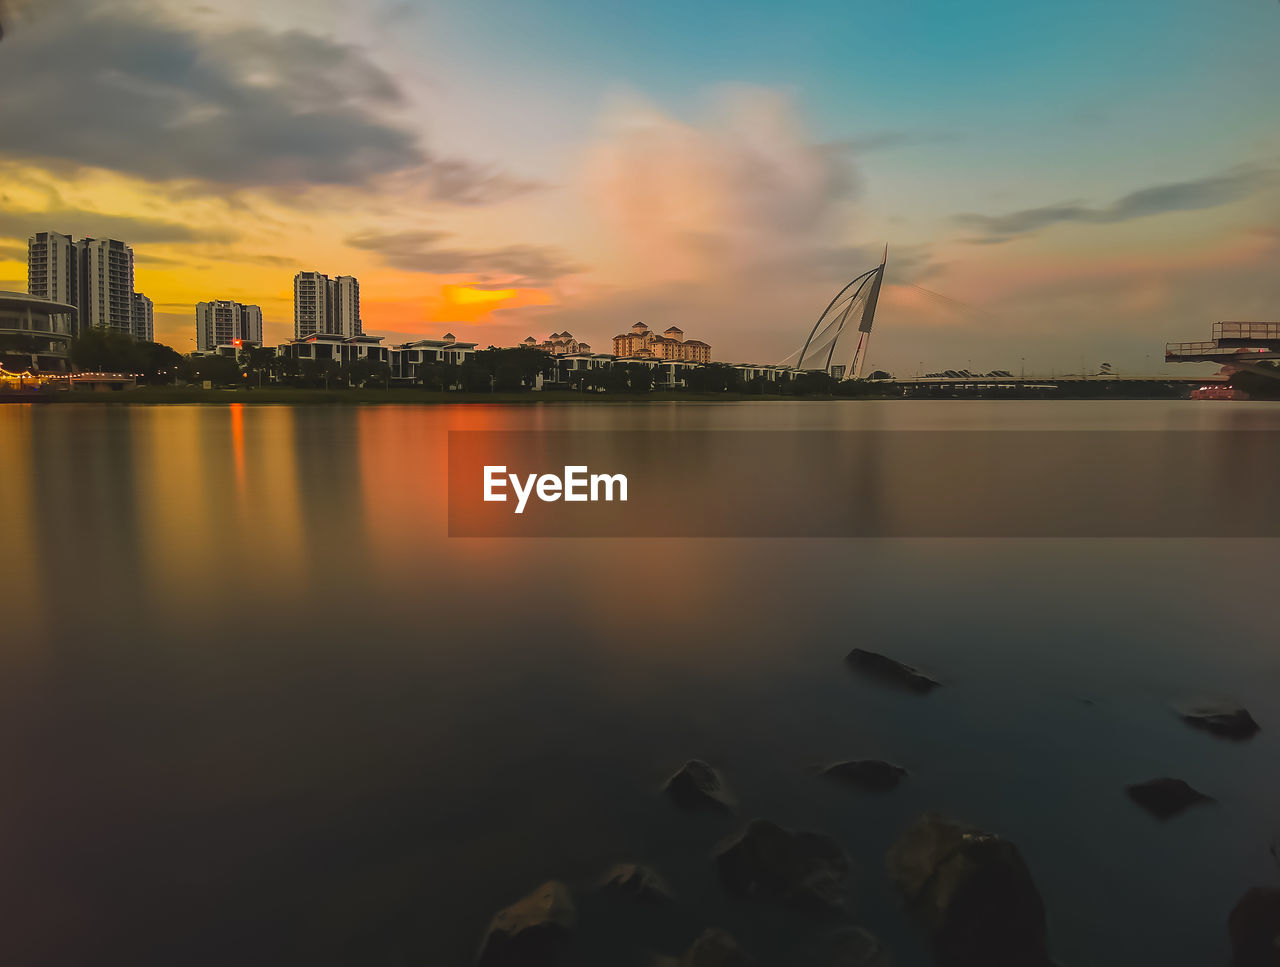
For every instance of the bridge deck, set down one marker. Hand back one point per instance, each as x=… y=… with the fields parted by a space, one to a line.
x=1245 y=342
x=1051 y=380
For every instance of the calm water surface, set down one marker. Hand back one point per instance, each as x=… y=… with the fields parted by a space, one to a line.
x=259 y=709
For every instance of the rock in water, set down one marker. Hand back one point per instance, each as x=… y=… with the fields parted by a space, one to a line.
x=634 y=880
x=1254 y=925
x=867 y=773
x=973 y=893
x=1221 y=717
x=527 y=933
x=889 y=670
x=715 y=948
x=698 y=786
x=800 y=869
x=1165 y=797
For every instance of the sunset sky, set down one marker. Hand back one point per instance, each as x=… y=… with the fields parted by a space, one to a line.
x=1070 y=182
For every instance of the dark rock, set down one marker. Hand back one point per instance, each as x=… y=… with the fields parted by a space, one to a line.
x=972 y=891
x=528 y=933
x=889 y=670
x=1254 y=925
x=1165 y=797
x=698 y=786
x=634 y=880
x=853 y=947
x=801 y=869
x=867 y=773
x=715 y=948
x=1221 y=717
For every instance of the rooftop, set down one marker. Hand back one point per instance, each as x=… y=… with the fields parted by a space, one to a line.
x=15 y=299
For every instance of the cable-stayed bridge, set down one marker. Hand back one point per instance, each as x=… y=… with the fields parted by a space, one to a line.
x=852 y=311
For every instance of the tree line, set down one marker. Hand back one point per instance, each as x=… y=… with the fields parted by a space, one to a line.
x=511 y=370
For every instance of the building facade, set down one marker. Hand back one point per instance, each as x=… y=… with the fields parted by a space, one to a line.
x=345 y=299
x=52 y=271
x=326 y=306
x=36 y=332
x=311 y=305
x=557 y=344
x=95 y=277
x=404 y=361
x=642 y=343
x=51 y=267
x=144 y=318
x=408 y=357
x=225 y=323
x=105 y=283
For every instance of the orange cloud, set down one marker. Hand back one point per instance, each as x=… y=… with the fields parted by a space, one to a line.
x=466 y=303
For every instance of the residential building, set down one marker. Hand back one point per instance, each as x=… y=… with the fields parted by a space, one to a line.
x=312 y=306
x=403 y=360
x=345 y=300
x=95 y=277
x=332 y=347
x=766 y=371
x=642 y=343
x=408 y=357
x=52 y=271
x=105 y=285
x=223 y=323
x=144 y=318
x=557 y=344
x=326 y=306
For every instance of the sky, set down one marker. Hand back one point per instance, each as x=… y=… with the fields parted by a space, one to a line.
x=1059 y=185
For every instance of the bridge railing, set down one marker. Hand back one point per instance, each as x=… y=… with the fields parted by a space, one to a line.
x=1246 y=331
x=1193 y=349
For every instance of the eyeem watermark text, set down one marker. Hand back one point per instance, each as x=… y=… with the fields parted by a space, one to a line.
x=577 y=485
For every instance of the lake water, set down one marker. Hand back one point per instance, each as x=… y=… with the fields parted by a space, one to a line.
x=257 y=708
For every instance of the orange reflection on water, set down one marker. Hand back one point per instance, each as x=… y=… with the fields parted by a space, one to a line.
x=216 y=500
x=237 y=443
x=20 y=549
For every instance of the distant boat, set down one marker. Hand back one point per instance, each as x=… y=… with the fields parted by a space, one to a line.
x=1218 y=391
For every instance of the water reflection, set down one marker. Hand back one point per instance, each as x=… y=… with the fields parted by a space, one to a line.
x=259 y=709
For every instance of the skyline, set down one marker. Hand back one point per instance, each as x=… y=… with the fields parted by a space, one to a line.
x=1068 y=184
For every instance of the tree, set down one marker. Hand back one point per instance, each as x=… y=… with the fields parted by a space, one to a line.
x=813 y=384
x=285 y=369
x=159 y=364
x=513 y=369
x=256 y=362
x=436 y=375
x=714 y=378
x=216 y=368
x=364 y=371
x=635 y=377
x=103 y=351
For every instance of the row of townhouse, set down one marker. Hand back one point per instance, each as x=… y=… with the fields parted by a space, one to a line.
x=669 y=373
x=405 y=360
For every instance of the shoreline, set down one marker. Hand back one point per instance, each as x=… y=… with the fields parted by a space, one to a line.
x=291 y=396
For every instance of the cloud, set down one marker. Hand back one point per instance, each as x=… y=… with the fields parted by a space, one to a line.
x=117 y=84
x=78 y=222
x=1182 y=196
x=743 y=187
x=468 y=183
x=888 y=140
x=419 y=251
